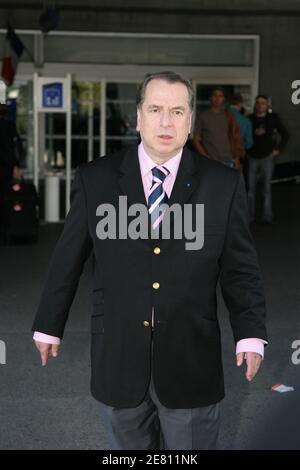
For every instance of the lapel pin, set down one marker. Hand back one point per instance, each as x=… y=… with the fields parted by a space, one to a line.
x=188 y=185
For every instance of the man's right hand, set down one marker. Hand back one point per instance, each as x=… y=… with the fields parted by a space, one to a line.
x=47 y=350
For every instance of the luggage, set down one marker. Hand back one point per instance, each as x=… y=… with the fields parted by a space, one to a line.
x=20 y=216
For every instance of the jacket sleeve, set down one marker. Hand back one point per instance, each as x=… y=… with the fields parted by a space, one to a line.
x=240 y=276
x=66 y=266
x=282 y=131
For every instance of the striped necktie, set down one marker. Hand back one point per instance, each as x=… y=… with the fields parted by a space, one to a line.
x=157 y=196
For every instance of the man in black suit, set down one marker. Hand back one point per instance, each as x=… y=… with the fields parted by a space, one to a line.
x=156 y=349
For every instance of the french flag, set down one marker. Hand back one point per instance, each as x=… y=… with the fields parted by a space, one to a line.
x=14 y=50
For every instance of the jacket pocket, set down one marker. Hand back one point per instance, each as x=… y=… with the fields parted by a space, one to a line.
x=98 y=296
x=97 y=324
x=209 y=327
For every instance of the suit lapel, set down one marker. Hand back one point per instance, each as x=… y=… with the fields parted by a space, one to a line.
x=130 y=180
x=186 y=181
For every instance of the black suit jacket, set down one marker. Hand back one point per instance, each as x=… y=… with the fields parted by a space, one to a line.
x=187 y=364
x=8 y=154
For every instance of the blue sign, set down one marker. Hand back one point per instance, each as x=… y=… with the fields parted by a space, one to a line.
x=52 y=95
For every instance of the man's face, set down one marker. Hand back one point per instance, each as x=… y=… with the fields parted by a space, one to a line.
x=164 y=119
x=217 y=99
x=261 y=105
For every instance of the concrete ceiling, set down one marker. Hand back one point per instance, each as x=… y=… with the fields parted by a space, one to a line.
x=143 y=15
x=152 y=5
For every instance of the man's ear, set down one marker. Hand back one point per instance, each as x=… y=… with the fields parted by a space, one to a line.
x=191 y=122
x=138 y=119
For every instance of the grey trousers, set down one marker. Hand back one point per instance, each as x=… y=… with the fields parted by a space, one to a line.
x=265 y=166
x=139 y=428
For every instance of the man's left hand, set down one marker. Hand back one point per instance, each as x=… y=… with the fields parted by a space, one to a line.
x=253 y=361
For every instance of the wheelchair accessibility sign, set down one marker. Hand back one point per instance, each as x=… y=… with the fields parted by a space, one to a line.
x=52 y=95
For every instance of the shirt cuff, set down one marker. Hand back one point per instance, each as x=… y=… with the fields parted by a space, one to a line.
x=45 y=338
x=251 y=345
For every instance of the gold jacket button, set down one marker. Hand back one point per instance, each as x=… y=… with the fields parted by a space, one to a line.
x=156 y=250
x=155 y=285
x=146 y=323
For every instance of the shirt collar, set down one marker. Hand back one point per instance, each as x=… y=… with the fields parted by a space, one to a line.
x=146 y=163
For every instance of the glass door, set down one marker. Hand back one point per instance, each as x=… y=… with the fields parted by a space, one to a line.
x=120 y=116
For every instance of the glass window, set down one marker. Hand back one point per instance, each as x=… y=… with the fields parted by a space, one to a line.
x=203 y=93
x=86 y=114
x=86 y=117
x=149 y=50
x=20 y=102
x=120 y=116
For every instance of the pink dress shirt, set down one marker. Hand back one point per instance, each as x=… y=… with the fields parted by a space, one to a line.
x=146 y=165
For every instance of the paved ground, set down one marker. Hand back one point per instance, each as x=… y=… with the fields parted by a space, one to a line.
x=51 y=408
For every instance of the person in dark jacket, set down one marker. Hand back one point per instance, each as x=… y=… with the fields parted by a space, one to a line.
x=9 y=164
x=266 y=146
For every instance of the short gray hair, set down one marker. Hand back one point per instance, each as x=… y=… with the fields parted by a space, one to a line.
x=170 y=77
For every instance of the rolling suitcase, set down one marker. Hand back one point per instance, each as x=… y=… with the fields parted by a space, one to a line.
x=20 y=213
